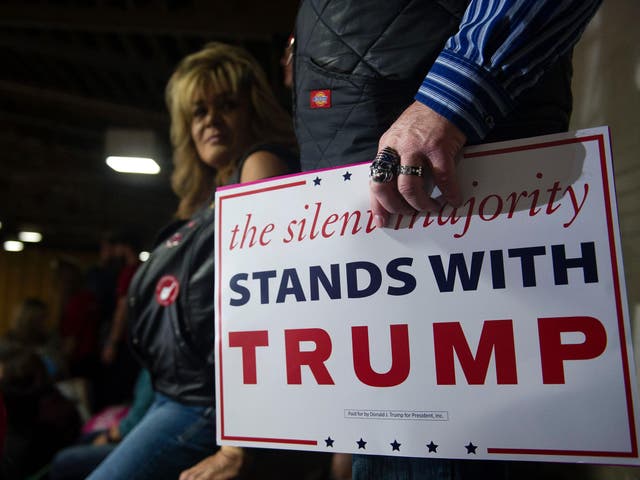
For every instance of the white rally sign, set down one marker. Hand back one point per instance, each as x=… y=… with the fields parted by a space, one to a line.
x=497 y=330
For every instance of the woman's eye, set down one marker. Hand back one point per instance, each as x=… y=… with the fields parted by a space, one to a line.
x=227 y=105
x=200 y=112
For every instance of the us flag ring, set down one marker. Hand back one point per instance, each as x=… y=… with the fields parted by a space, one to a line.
x=384 y=167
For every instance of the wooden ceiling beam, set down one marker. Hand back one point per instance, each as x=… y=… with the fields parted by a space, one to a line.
x=116 y=114
x=79 y=54
x=261 y=19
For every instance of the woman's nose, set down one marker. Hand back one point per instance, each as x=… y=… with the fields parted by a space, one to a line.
x=208 y=118
x=212 y=117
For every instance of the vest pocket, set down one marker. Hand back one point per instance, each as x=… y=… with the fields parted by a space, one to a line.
x=355 y=112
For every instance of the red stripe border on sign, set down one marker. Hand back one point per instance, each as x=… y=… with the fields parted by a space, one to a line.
x=617 y=291
x=223 y=436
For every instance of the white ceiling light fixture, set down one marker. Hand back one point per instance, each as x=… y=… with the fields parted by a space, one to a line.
x=142 y=165
x=131 y=151
x=30 y=236
x=13 y=246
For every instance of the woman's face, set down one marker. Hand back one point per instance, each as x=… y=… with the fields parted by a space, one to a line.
x=220 y=128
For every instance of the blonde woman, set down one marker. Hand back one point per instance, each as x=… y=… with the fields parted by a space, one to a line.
x=226 y=127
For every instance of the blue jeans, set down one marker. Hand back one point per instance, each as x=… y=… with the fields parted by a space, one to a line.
x=170 y=438
x=76 y=462
x=369 y=467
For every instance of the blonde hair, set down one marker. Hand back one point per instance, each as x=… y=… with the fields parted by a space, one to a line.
x=217 y=68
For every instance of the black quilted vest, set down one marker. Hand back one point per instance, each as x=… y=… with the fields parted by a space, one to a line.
x=372 y=56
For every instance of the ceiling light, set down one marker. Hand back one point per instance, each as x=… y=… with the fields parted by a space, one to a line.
x=31 y=237
x=134 y=165
x=13 y=246
x=131 y=150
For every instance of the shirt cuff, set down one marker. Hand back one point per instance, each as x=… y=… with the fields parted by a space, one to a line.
x=465 y=94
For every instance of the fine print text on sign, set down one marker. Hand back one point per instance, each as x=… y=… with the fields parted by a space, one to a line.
x=495 y=330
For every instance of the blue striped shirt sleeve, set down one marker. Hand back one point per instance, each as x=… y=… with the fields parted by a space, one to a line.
x=501 y=49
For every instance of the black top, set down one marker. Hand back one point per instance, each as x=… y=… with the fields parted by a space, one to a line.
x=171 y=300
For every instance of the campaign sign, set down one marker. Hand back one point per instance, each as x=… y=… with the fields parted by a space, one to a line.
x=495 y=330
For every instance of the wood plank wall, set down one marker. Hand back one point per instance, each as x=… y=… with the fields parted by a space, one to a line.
x=30 y=274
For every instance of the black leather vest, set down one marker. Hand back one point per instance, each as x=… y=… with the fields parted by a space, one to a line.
x=171 y=302
x=372 y=57
x=171 y=310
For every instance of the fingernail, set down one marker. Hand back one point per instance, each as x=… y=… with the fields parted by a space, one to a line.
x=379 y=221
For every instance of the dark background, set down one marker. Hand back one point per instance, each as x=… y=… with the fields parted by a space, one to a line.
x=71 y=69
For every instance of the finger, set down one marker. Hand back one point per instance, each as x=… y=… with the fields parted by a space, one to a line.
x=389 y=198
x=412 y=184
x=380 y=215
x=382 y=184
x=412 y=189
x=444 y=175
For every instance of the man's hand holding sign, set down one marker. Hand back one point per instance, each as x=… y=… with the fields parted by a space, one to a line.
x=422 y=142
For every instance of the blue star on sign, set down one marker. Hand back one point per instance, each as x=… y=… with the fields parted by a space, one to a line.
x=432 y=447
x=316 y=181
x=347 y=176
x=361 y=444
x=471 y=448
x=395 y=446
x=329 y=441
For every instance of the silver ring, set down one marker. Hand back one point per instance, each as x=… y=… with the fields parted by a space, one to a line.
x=410 y=170
x=385 y=166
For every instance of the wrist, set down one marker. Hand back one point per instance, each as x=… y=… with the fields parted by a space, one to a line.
x=232 y=452
x=113 y=435
x=237 y=456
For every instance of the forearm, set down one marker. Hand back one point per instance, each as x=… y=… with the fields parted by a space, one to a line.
x=119 y=322
x=498 y=53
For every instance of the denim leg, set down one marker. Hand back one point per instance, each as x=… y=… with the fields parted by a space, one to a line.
x=75 y=463
x=480 y=469
x=369 y=467
x=169 y=439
